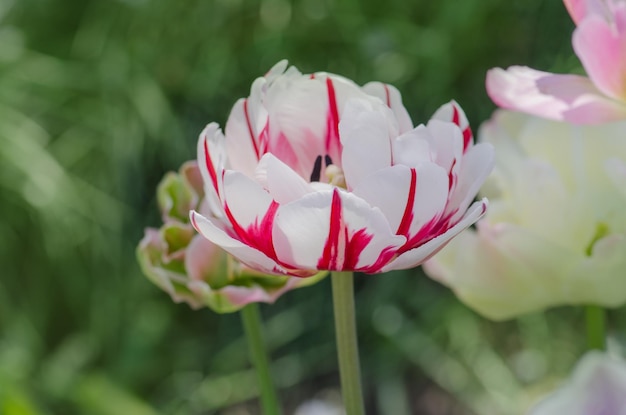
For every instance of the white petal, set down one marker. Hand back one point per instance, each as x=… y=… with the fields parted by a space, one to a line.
x=418 y=255
x=212 y=161
x=390 y=95
x=333 y=230
x=446 y=144
x=412 y=149
x=283 y=184
x=214 y=231
x=242 y=138
x=409 y=198
x=245 y=199
x=452 y=112
x=364 y=132
x=476 y=165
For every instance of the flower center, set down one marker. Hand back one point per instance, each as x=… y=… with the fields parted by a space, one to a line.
x=332 y=172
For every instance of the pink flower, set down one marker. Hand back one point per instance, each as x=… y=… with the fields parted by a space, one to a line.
x=316 y=173
x=597 y=387
x=190 y=268
x=600 y=42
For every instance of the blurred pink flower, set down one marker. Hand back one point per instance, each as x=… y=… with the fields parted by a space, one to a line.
x=316 y=173
x=189 y=267
x=597 y=387
x=600 y=42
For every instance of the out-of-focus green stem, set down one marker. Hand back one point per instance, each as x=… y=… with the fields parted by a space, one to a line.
x=595 y=317
x=347 y=345
x=251 y=318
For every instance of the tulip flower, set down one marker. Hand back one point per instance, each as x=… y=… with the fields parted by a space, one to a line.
x=189 y=267
x=597 y=387
x=600 y=42
x=555 y=233
x=316 y=173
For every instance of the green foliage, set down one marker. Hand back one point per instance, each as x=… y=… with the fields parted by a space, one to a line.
x=98 y=99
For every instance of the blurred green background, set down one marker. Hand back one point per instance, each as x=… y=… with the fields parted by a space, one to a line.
x=99 y=98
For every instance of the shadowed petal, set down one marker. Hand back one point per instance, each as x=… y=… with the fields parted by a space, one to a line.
x=283 y=184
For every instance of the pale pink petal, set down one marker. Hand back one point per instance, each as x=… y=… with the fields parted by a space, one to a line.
x=597 y=387
x=408 y=197
x=283 y=184
x=602 y=51
x=191 y=172
x=364 y=133
x=334 y=230
x=214 y=231
x=452 y=112
x=417 y=256
x=203 y=258
x=570 y=98
x=242 y=142
x=390 y=95
x=241 y=296
x=577 y=9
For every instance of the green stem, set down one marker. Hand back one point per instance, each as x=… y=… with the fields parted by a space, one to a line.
x=347 y=345
x=251 y=318
x=595 y=317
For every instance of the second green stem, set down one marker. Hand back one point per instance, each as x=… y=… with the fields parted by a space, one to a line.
x=251 y=318
x=595 y=318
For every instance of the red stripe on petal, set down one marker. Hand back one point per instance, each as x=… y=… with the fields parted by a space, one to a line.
x=332 y=120
x=407 y=216
x=210 y=167
x=355 y=246
x=467 y=138
x=467 y=131
x=257 y=235
x=329 y=254
x=250 y=131
x=387 y=97
x=384 y=257
x=452 y=177
x=455 y=115
x=343 y=248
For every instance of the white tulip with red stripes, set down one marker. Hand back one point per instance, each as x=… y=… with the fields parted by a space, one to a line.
x=316 y=173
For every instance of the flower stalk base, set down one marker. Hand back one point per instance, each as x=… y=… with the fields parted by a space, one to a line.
x=347 y=345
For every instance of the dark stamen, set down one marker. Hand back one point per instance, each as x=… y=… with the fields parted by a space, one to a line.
x=328 y=160
x=317 y=169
